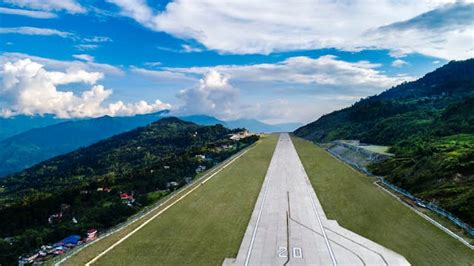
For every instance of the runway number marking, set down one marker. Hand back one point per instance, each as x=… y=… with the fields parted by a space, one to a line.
x=282 y=252
x=297 y=253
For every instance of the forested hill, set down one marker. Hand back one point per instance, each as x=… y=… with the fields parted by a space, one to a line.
x=430 y=125
x=405 y=110
x=86 y=186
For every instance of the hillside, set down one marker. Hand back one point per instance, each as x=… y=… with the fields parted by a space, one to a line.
x=430 y=125
x=84 y=185
x=400 y=112
x=38 y=144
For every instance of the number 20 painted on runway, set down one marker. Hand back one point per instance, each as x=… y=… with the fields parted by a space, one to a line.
x=297 y=253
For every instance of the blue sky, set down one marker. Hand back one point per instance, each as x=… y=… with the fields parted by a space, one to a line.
x=275 y=62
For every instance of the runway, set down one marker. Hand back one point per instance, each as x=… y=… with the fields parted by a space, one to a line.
x=288 y=225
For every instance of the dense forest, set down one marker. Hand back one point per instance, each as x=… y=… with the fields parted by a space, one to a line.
x=101 y=185
x=429 y=124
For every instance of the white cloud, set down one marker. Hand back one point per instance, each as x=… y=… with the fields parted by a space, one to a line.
x=85 y=57
x=28 y=88
x=213 y=95
x=153 y=64
x=97 y=39
x=164 y=75
x=275 y=92
x=63 y=66
x=86 y=47
x=36 y=31
x=189 y=49
x=326 y=70
x=399 y=63
x=70 y=6
x=246 y=27
x=28 y=13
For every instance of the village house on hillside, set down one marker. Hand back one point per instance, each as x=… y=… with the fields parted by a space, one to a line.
x=241 y=135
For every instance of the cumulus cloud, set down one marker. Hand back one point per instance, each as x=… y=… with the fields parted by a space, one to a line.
x=27 y=13
x=282 y=25
x=213 y=95
x=28 y=88
x=277 y=92
x=36 y=31
x=70 y=6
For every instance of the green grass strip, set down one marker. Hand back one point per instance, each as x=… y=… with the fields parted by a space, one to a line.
x=203 y=228
x=360 y=206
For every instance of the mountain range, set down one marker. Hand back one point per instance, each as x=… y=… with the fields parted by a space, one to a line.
x=429 y=124
x=44 y=137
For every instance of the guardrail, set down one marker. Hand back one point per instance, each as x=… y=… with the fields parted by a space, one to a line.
x=428 y=205
x=467 y=228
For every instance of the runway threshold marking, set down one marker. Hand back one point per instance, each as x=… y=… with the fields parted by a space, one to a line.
x=166 y=208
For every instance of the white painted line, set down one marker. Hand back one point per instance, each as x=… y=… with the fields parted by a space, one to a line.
x=267 y=180
x=328 y=245
x=166 y=208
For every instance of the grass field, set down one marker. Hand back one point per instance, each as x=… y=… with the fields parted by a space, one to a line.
x=359 y=205
x=202 y=229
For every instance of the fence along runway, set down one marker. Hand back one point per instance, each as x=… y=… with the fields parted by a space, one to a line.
x=288 y=225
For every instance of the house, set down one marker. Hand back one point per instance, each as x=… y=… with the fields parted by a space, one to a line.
x=126 y=196
x=91 y=234
x=200 y=169
x=200 y=157
x=172 y=184
x=55 y=218
x=240 y=135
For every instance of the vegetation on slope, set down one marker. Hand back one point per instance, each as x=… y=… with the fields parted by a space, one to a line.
x=84 y=185
x=357 y=204
x=429 y=123
x=38 y=144
x=203 y=229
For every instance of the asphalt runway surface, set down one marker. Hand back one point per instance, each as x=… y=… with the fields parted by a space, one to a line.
x=288 y=225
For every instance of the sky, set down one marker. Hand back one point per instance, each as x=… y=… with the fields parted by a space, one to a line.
x=276 y=61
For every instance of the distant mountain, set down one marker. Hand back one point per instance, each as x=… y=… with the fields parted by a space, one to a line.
x=430 y=125
x=21 y=123
x=250 y=124
x=257 y=126
x=38 y=144
x=204 y=120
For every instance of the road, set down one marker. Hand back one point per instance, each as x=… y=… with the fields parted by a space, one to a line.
x=288 y=225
